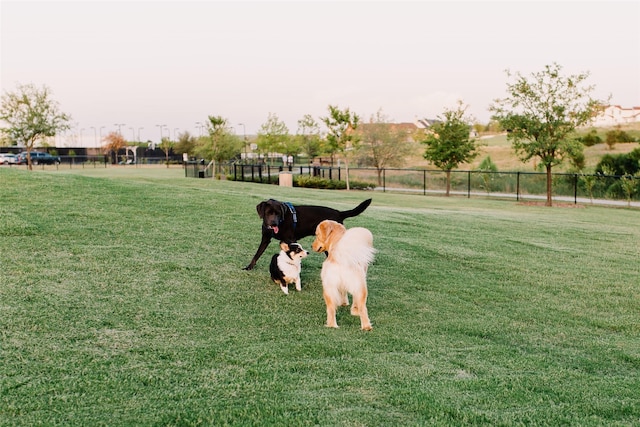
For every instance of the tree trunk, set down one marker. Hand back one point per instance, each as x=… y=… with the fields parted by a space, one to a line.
x=549 y=181
x=346 y=166
x=448 y=182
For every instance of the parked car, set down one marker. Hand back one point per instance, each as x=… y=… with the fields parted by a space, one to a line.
x=8 y=159
x=38 y=158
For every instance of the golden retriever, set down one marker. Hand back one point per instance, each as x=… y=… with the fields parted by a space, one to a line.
x=349 y=253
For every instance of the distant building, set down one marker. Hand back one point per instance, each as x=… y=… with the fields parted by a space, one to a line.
x=425 y=123
x=613 y=115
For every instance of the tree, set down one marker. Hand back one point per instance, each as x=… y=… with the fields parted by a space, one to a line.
x=341 y=136
x=273 y=135
x=384 y=144
x=450 y=144
x=114 y=142
x=31 y=115
x=220 y=144
x=186 y=144
x=309 y=136
x=166 y=145
x=541 y=113
x=487 y=169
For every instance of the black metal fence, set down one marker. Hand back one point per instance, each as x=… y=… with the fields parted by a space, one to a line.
x=572 y=187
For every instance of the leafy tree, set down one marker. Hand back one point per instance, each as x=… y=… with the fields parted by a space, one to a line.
x=273 y=135
x=341 y=137
x=449 y=144
x=186 y=144
x=308 y=136
x=31 y=115
x=166 y=145
x=589 y=183
x=114 y=142
x=541 y=113
x=575 y=154
x=487 y=169
x=221 y=144
x=617 y=135
x=384 y=144
x=629 y=184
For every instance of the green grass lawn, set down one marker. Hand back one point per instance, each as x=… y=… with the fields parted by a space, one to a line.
x=123 y=302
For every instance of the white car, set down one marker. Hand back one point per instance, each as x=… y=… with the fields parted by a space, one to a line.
x=8 y=159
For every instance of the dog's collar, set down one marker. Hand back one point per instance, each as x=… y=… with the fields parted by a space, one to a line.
x=293 y=212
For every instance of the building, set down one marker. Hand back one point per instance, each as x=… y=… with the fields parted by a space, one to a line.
x=613 y=115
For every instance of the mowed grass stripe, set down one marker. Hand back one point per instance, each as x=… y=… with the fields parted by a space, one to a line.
x=123 y=302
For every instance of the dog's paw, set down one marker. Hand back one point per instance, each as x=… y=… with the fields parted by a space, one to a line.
x=334 y=326
x=367 y=328
x=285 y=289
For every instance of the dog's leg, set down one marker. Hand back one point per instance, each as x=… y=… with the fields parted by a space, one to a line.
x=298 y=284
x=331 y=310
x=266 y=239
x=344 y=298
x=360 y=308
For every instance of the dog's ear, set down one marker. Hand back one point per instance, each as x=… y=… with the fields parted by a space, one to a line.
x=284 y=246
x=323 y=230
x=260 y=208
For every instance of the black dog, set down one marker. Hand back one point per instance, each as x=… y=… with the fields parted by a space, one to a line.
x=288 y=223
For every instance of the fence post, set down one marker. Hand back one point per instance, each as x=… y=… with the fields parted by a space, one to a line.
x=384 y=180
x=518 y=187
x=575 y=189
x=424 y=182
x=468 y=184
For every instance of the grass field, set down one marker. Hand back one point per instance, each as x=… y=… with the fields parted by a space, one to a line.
x=123 y=302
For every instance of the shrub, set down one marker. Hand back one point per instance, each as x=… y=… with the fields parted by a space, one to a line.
x=308 y=181
x=620 y=164
x=591 y=139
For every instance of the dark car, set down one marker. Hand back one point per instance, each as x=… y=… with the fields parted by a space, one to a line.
x=38 y=158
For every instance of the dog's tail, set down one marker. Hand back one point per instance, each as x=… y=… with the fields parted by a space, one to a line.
x=355 y=211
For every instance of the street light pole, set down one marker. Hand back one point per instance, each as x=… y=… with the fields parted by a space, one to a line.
x=95 y=136
x=160 y=126
x=119 y=126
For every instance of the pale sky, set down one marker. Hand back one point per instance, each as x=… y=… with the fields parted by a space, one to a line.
x=141 y=64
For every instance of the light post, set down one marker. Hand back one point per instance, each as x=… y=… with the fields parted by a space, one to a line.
x=175 y=133
x=199 y=126
x=119 y=126
x=139 y=140
x=160 y=126
x=133 y=133
x=95 y=136
x=81 y=132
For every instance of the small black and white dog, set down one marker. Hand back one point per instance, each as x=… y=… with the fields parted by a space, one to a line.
x=286 y=265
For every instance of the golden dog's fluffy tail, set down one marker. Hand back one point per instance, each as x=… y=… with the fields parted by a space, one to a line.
x=355 y=247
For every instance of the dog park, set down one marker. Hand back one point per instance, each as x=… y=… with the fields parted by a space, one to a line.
x=123 y=301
